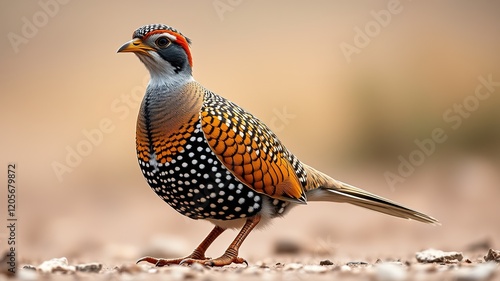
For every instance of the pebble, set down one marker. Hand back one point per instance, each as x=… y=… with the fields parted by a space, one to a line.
x=388 y=271
x=62 y=265
x=492 y=255
x=433 y=255
x=89 y=267
x=326 y=262
x=357 y=264
x=56 y=265
x=29 y=267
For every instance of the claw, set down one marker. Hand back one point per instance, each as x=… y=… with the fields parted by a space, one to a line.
x=148 y=259
x=186 y=262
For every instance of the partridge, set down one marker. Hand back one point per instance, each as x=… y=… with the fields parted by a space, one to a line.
x=209 y=159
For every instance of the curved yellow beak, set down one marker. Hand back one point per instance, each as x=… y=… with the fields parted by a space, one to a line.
x=136 y=46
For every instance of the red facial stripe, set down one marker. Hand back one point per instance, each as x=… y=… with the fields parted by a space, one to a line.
x=179 y=40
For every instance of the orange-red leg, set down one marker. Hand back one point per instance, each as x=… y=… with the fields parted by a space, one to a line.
x=198 y=253
x=231 y=254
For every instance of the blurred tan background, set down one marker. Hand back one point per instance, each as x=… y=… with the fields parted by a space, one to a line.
x=349 y=116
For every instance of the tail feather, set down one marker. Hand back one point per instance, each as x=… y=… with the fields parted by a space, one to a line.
x=324 y=188
x=362 y=198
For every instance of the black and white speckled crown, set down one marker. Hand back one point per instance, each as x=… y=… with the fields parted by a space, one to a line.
x=141 y=31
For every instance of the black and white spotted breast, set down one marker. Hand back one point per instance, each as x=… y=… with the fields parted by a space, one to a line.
x=196 y=184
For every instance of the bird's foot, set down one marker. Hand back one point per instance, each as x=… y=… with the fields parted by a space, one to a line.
x=159 y=262
x=220 y=261
x=189 y=260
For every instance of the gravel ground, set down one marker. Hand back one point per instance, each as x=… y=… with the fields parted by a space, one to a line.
x=430 y=264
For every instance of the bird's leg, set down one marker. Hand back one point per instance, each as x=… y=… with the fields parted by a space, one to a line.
x=231 y=254
x=198 y=253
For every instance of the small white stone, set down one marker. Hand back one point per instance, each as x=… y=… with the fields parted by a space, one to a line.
x=433 y=255
x=56 y=265
x=388 y=271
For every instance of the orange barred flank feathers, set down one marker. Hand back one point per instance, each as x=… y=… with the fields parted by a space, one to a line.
x=247 y=149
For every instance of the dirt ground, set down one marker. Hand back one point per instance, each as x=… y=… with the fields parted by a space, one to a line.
x=470 y=265
x=320 y=241
x=287 y=269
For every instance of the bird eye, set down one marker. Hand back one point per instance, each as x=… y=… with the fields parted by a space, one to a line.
x=162 y=42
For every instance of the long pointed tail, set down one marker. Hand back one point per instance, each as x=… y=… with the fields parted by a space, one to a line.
x=321 y=187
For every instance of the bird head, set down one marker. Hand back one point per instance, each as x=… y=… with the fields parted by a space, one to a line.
x=163 y=50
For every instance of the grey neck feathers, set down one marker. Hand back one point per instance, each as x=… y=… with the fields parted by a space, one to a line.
x=164 y=109
x=167 y=99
